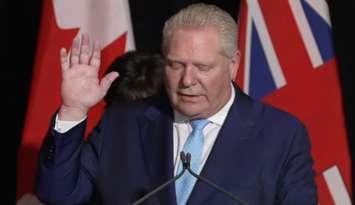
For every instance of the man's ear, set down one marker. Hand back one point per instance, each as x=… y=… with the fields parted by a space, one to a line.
x=234 y=65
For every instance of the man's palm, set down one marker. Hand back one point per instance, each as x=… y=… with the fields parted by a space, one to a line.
x=81 y=88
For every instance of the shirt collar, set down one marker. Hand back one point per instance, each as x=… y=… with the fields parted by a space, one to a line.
x=218 y=118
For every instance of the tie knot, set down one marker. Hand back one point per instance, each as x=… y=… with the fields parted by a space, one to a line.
x=198 y=125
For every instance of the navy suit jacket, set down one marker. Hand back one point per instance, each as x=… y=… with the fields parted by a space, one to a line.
x=261 y=154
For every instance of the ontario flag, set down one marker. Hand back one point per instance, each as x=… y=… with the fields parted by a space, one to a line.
x=106 y=21
x=288 y=61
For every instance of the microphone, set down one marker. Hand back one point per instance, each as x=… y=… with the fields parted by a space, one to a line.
x=186 y=166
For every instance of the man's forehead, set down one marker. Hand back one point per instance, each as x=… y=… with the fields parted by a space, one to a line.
x=205 y=40
x=191 y=60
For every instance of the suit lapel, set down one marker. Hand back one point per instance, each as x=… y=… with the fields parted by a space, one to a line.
x=237 y=128
x=157 y=143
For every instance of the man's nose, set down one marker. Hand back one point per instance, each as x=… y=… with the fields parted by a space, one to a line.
x=188 y=77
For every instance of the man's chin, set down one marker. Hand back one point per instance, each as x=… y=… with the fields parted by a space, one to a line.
x=190 y=111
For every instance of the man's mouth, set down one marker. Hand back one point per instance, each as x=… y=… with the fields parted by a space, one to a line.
x=188 y=97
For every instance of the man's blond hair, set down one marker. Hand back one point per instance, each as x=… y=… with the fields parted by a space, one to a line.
x=201 y=15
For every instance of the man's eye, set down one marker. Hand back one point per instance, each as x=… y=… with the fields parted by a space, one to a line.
x=204 y=67
x=175 y=65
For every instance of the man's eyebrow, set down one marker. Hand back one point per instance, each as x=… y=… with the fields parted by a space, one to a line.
x=173 y=61
x=202 y=64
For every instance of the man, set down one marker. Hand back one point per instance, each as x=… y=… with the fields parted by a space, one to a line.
x=258 y=153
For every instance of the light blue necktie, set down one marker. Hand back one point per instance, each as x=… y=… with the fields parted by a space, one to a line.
x=194 y=146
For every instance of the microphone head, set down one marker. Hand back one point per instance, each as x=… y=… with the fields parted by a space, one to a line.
x=182 y=156
x=188 y=158
x=185 y=159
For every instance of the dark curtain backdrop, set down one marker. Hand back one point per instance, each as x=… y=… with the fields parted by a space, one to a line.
x=343 y=16
x=19 y=26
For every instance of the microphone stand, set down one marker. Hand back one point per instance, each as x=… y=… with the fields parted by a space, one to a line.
x=215 y=186
x=185 y=163
x=186 y=159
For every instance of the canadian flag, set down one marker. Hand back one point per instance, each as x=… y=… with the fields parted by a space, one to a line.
x=106 y=21
x=289 y=62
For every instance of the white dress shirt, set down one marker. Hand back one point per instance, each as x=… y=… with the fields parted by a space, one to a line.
x=181 y=130
x=62 y=126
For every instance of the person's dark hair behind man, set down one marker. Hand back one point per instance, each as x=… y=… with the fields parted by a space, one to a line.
x=140 y=76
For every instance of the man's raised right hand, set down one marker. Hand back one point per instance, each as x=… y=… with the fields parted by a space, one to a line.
x=81 y=88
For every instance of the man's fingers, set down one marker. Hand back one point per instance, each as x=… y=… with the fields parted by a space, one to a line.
x=107 y=81
x=64 y=59
x=96 y=56
x=75 y=51
x=85 y=49
x=81 y=53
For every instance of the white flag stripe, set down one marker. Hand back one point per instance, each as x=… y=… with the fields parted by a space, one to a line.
x=266 y=43
x=130 y=45
x=322 y=9
x=104 y=20
x=336 y=186
x=247 y=53
x=306 y=33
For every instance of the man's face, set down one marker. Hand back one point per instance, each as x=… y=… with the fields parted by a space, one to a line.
x=198 y=75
